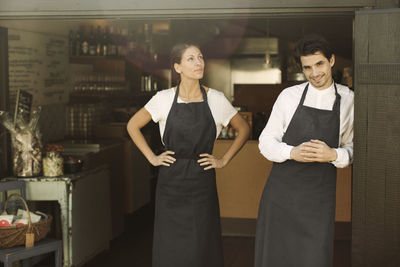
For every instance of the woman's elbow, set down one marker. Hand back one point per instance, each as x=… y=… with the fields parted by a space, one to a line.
x=132 y=125
x=246 y=130
x=129 y=125
x=243 y=129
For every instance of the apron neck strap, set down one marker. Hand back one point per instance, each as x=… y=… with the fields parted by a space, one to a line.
x=303 y=96
x=203 y=91
x=176 y=95
x=336 y=105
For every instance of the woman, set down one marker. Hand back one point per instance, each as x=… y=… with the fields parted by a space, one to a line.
x=190 y=116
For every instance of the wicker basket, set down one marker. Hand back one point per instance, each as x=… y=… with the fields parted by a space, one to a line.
x=16 y=235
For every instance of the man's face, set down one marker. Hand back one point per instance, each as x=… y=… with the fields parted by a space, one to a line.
x=318 y=69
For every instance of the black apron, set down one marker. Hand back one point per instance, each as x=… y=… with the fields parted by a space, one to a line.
x=295 y=226
x=187 y=230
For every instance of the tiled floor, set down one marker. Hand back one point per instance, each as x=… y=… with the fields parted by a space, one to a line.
x=133 y=248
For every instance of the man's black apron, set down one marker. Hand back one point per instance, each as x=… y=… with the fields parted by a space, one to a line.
x=295 y=226
x=187 y=231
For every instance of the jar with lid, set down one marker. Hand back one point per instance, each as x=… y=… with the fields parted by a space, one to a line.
x=53 y=162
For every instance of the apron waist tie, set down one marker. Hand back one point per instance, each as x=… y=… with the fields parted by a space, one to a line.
x=185 y=156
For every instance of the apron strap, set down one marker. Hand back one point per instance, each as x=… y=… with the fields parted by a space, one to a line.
x=176 y=95
x=336 y=105
x=303 y=96
x=203 y=91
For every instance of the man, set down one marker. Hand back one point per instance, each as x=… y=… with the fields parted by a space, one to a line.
x=308 y=135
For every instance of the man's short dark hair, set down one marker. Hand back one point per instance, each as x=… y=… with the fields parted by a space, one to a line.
x=311 y=44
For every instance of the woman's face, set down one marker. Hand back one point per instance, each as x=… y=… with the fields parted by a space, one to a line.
x=192 y=64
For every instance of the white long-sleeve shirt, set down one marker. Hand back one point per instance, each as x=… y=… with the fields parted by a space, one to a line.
x=271 y=145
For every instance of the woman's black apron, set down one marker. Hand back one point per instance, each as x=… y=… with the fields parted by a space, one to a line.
x=295 y=226
x=187 y=231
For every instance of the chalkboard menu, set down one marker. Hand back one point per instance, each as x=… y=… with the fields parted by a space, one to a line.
x=38 y=64
x=23 y=106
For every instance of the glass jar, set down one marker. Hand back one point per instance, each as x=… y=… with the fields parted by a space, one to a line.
x=53 y=164
x=27 y=155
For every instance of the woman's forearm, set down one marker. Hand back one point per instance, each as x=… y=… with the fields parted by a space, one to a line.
x=139 y=120
x=243 y=135
x=140 y=141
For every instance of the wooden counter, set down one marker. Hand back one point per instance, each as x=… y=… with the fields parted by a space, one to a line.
x=241 y=183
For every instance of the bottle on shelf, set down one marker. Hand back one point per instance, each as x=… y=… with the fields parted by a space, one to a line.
x=99 y=41
x=78 y=49
x=92 y=42
x=105 y=42
x=118 y=40
x=123 y=41
x=132 y=43
x=148 y=83
x=112 y=47
x=71 y=43
x=84 y=42
x=147 y=40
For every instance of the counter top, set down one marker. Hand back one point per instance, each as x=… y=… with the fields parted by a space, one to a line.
x=66 y=177
x=84 y=146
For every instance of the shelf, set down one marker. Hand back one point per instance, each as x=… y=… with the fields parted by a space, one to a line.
x=91 y=97
x=94 y=59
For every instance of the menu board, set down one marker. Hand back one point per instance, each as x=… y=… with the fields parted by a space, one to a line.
x=38 y=64
x=23 y=106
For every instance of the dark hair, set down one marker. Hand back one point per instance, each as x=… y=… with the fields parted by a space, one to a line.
x=311 y=44
x=176 y=57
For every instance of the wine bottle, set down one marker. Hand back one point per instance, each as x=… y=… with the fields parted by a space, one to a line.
x=105 y=42
x=92 y=42
x=99 y=40
x=78 y=40
x=112 y=47
x=71 y=43
x=84 y=42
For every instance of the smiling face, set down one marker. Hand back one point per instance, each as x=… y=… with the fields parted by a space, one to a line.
x=191 y=65
x=318 y=69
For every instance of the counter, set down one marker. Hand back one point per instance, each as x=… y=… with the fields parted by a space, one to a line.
x=241 y=183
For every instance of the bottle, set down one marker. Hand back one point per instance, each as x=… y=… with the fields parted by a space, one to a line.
x=117 y=39
x=224 y=132
x=71 y=43
x=84 y=42
x=78 y=40
x=105 y=42
x=131 y=43
x=92 y=42
x=112 y=48
x=123 y=42
x=99 y=41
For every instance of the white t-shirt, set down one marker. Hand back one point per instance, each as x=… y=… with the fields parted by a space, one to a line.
x=161 y=103
x=271 y=145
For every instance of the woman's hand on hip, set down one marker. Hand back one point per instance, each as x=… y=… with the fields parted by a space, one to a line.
x=210 y=161
x=163 y=159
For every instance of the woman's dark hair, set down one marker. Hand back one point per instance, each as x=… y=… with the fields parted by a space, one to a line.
x=311 y=44
x=176 y=57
